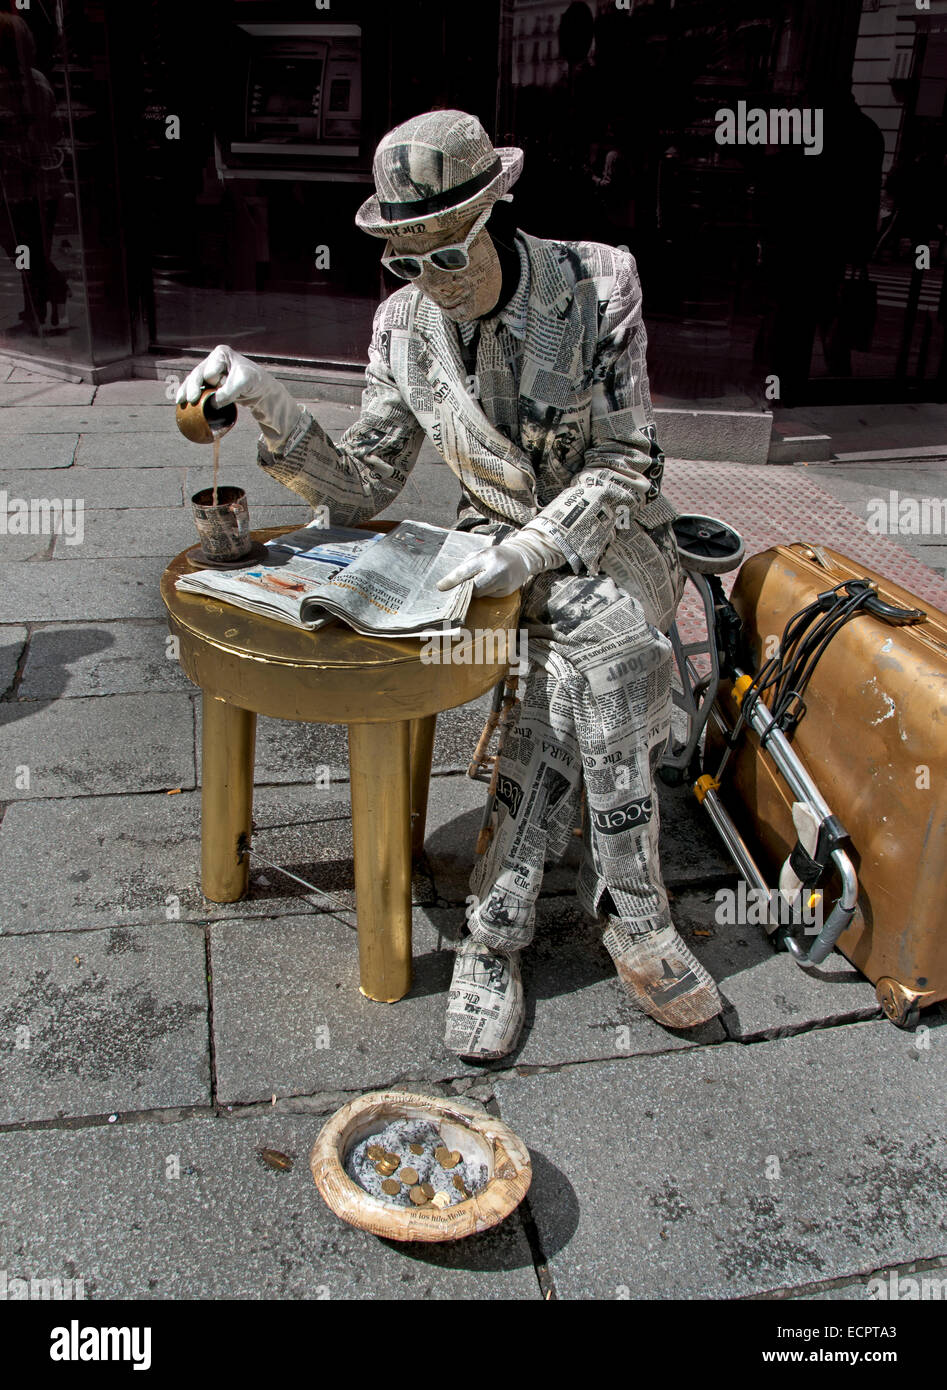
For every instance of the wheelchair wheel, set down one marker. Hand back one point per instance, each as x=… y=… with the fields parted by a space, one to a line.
x=706 y=545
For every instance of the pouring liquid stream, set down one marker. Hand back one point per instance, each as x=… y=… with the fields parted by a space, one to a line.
x=216 y=464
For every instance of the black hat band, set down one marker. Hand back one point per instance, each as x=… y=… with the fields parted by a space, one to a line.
x=451 y=197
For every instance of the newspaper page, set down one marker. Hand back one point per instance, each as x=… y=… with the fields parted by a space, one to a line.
x=382 y=585
x=392 y=588
x=298 y=567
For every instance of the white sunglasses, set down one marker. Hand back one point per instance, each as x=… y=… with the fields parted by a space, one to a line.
x=449 y=258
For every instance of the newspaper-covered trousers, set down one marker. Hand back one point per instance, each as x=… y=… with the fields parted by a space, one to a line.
x=595 y=710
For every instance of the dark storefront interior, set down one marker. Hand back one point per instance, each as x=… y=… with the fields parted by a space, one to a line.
x=186 y=174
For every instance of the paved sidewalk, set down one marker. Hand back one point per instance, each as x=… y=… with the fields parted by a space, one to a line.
x=152 y=1043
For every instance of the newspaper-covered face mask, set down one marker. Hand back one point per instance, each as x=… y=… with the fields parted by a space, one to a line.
x=463 y=294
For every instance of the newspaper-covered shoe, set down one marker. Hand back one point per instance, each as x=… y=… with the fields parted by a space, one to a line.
x=662 y=976
x=485 y=1006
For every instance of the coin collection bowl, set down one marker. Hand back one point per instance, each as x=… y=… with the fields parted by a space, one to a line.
x=479 y=1137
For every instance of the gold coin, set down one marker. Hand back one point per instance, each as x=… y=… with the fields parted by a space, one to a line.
x=416 y=1148
x=392 y=1186
x=447 y=1158
x=385 y=1167
x=392 y=1157
x=409 y=1176
x=428 y=1189
x=440 y=1200
x=459 y=1184
x=417 y=1196
x=440 y=1153
x=273 y=1158
x=374 y=1152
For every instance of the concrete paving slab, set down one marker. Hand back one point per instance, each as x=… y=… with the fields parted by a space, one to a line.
x=576 y=1007
x=261 y=489
x=12 y=642
x=82 y=590
x=933 y=555
x=737 y=435
x=90 y=419
x=766 y=992
x=455 y=810
x=912 y=1282
x=101 y=487
x=149 y=531
x=21 y=451
x=291 y=752
x=691 y=851
x=138 y=391
x=166 y=448
x=410 y=505
x=333 y=416
x=133 y=859
x=45 y=393
x=439 y=491
x=287 y=751
x=650 y=1176
x=87 y=747
x=21 y=548
x=458 y=731
x=861 y=488
x=115 y=658
x=289 y=1018
x=14 y=373
x=101 y=1206
x=317 y=851
x=772 y=504
x=104 y=1021
x=876 y=426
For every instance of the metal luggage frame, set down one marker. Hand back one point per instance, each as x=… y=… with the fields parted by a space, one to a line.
x=719 y=549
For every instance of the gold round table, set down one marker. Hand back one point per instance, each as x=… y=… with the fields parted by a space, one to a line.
x=247 y=664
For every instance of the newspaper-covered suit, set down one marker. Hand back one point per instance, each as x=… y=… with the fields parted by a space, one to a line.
x=553 y=427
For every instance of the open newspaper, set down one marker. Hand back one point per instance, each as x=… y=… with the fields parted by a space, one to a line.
x=382 y=585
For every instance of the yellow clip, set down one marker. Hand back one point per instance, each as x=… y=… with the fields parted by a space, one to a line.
x=705 y=784
x=740 y=687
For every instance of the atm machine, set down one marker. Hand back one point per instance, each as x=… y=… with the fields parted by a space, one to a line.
x=300 y=109
x=293 y=149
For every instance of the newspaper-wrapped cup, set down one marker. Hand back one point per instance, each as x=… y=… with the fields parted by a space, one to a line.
x=224 y=529
x=478 y=1136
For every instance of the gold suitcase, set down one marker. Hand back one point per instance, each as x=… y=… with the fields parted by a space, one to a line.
x=874 y=739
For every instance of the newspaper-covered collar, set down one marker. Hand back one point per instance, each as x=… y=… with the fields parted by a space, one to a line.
x=513 y=314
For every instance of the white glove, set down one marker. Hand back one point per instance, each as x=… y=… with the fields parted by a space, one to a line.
x=238 y=379
x=502 y=569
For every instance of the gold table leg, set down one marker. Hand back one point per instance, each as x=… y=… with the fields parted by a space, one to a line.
x=422 y=751
x=380 y=769
x=226 y=799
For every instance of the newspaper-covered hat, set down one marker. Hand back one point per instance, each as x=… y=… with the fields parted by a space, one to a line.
x=432 y=168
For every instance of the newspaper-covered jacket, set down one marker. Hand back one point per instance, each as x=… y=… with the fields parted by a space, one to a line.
x=580 y=456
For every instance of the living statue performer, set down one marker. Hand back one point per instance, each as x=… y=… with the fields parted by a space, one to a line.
x=523 y=361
